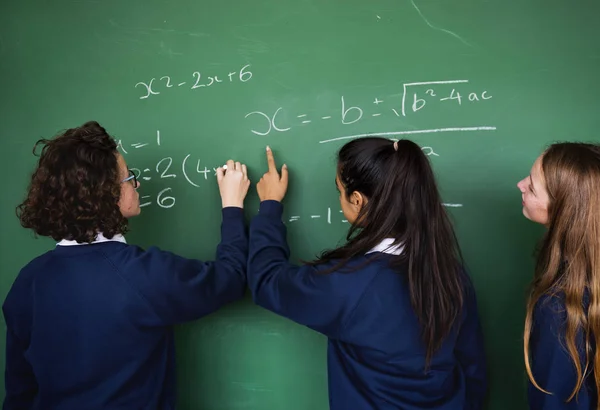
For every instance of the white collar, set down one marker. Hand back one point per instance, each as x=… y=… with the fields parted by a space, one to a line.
x=386 y=246
x=99 y=238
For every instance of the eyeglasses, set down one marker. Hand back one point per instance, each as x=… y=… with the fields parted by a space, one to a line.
x=131 y=178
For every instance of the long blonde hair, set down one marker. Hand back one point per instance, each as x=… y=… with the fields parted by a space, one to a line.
x=568 y=263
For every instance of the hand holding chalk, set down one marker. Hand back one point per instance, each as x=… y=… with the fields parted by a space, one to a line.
x=233 y=184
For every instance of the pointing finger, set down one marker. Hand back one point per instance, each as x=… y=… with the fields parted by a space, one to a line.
x=271 y=160
x=284 y=174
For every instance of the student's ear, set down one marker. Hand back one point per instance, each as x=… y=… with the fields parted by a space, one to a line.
x=357 y=200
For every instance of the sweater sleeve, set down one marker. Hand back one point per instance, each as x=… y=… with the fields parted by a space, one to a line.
x=180 y=289
x=20 y=383
x=298 y=293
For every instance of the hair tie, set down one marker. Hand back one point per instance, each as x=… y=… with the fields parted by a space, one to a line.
x=395 y=145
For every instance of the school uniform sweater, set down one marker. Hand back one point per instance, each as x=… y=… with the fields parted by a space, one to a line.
x=376 y=359
x=91 y=326
x=551 y=363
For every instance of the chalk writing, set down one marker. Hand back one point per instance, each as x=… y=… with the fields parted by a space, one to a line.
x=194 y=171
x=426 y=131
x=163 y=200
x=415 y=97
x=326 y=217
x=166 y=200
x=146 y=203
x=156 y=86
x=137 y=145
x=270 y=122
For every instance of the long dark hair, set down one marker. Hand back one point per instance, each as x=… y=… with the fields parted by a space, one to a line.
x=403 y=203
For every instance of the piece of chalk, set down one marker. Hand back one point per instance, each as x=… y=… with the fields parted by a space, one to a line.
x=224 y=166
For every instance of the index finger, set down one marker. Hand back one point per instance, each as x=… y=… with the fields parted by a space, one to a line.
x=271 y=160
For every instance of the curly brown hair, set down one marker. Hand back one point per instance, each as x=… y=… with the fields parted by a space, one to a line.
x=75 y=189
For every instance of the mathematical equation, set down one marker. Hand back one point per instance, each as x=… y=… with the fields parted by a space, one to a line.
x=415 y=96
x=193 y=170
x=154 y=86
x=164 y=170
x=331 y=216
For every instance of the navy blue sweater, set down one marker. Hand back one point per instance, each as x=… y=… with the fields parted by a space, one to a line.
x=551 y=363
x=376 y=359
x=90 y=326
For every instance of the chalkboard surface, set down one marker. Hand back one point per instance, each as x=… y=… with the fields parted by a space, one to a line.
x=184 y=85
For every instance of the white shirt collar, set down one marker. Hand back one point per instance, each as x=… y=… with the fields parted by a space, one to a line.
x=99 y=238
x=386 y=246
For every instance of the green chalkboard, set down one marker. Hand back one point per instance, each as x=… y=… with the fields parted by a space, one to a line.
x=481 y=85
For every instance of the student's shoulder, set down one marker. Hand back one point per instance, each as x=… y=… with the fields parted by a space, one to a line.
x=37 y=264
x=128 y=256
x=126 y=252
x=353 y=265
x=25 y=278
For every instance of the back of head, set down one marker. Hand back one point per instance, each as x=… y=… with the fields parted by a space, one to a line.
x=74 y=191
x=400 y=186
x=568 y=263
x=403 y=203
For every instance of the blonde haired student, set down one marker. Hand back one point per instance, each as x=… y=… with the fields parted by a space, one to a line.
x=562 y=327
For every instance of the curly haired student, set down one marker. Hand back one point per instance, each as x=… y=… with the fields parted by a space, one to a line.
x=90 y=322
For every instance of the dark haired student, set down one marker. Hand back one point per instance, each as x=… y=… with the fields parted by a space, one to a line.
x=395 y=302
x=90 y=323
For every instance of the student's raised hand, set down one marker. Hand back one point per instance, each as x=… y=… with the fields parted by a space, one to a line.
x=233 y=184
x=272 y=186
